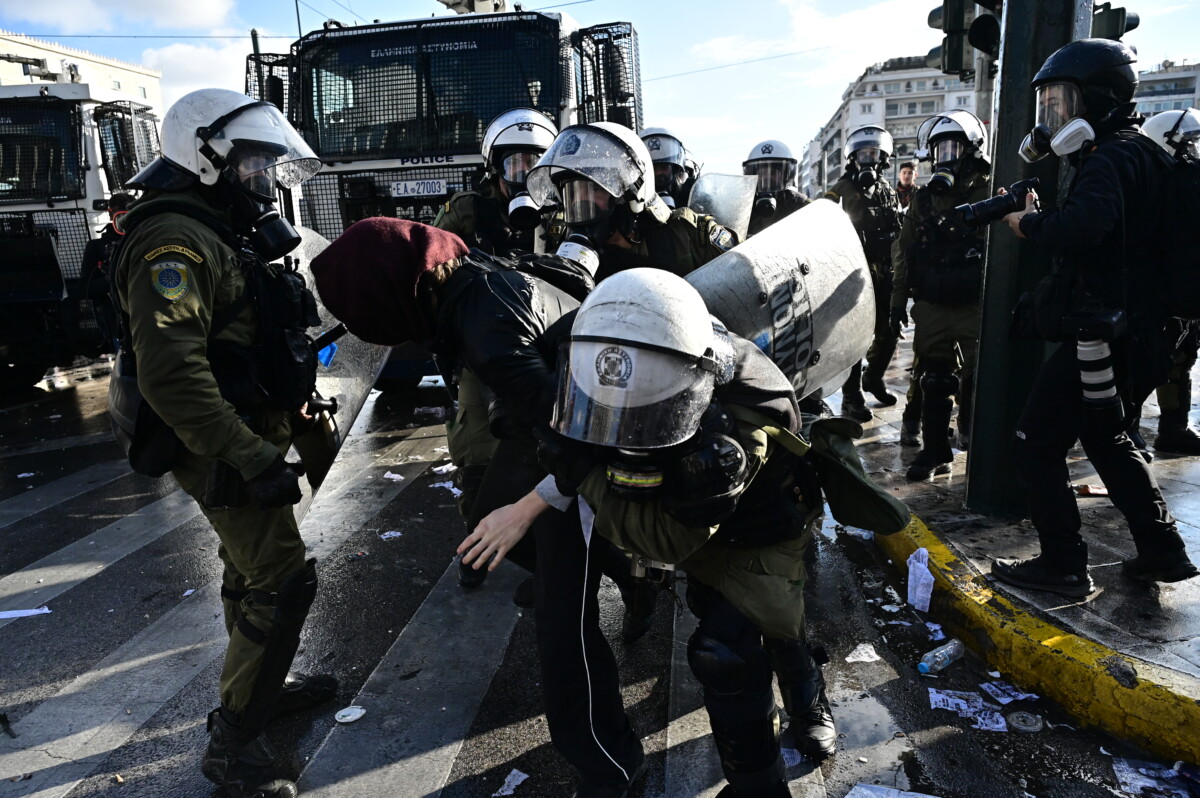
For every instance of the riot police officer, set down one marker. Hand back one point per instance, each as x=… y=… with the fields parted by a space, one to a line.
x=229 y=373
x=778 y=174
x=1113 y=352
x=498 y=217
x=871 y=204
x=674 y=172
x=939 y=263
x=601 y=176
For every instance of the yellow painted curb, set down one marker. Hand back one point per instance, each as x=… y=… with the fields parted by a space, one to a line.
x=1139 y=701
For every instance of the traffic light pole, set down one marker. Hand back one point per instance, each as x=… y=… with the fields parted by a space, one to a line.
x=1032 y=30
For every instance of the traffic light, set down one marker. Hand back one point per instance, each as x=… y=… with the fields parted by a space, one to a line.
x=952 y=57
x=1112 y=23
x=984 y=34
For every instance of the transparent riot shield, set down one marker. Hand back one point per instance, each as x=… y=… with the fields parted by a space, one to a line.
x=727 y=198
x=801 y=291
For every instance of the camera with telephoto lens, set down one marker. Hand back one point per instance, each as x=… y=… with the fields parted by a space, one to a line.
x=978 y=214
x=1095 y=325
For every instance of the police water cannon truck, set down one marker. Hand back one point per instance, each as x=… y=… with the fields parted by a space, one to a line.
x=65 y=147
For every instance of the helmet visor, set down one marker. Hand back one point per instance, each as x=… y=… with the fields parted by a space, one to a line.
x=867 y=156
x=614 y=394
x=1057 y=104
x=948 y=150
x=584 y=201
x=255 y=168
x=261 y=130
x=664 y=149
x=590 y=153
x=515 y=166
x=773 y=174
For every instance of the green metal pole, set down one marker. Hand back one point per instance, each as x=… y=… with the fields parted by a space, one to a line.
x=1032 y=30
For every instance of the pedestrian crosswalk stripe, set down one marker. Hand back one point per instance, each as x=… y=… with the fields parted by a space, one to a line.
x=35 y=500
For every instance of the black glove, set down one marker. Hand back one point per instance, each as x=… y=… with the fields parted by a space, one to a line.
x=898 y=318
x=278 y=486
x=568 y=461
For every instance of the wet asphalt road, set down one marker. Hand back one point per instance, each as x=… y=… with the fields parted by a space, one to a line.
x=110 y=611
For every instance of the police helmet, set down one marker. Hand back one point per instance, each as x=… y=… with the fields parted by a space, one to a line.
x=950 y=136
x=772 y=161
x=869 y=145
x=514 y=141
x=1177 y=132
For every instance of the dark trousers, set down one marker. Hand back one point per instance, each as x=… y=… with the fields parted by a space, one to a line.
x=587 y=720
x=1052 y=421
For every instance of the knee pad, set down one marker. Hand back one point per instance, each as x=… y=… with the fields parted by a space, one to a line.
x=717 y=666
x=939 y=380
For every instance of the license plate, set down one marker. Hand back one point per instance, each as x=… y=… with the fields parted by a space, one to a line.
x=419 y=188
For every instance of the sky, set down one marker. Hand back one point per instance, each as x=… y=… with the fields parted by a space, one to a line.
x=803 y=53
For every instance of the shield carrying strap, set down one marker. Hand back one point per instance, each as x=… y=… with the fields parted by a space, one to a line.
x=781 y=435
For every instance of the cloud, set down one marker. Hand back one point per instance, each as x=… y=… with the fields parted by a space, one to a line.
x=203 y=64
x=84 y=16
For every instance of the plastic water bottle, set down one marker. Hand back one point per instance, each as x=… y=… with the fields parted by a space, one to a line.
x=941 y=657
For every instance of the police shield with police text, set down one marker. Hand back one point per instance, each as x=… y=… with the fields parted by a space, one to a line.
x=1105 y=304
x=214 y=374
x=872 y=206
x=938 y=261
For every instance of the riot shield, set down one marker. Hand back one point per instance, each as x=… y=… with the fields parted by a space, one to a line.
x=801 y=291
x=727 y=198
x=345 y=377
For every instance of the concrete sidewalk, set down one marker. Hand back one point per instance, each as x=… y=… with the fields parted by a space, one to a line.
x=1127 y=658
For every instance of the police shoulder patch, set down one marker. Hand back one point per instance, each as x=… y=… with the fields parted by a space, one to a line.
x=721 y=238
x=174 y=248
x=170 y=278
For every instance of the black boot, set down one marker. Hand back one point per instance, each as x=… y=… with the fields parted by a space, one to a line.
x=1174 y=434
x=639 y=596
x=301 y=692
x=243 y=767
x=1171 y=566
x=798 y=670
x=1040 y=573
x=853 y=404
x=872 y=383
x=935 y=458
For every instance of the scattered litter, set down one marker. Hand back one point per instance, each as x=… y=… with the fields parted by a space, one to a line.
x=1138 y=777
x=444 y=469
x=877 y=791
x=1104 y=751
x=891 y=608
x=864 y=652
x=6 y=614
x=991 y=720
x=349 y=714
x=390 y=534
x=448 y=486
x=393 y=477
x=26 y=474
x=899 y=623
x=1025 y=721
x=1090 y=490
x=188 y=592
x=1005 y=693
x=118 y=779
x=791 y=757
x=511 y=782
x=861 y=534
x=863 y=759
x=441 y=449
x=965 y=704
x=358 y=555
x=994 y=674
x=435 y=412
x=920 y=580
x=935 y=631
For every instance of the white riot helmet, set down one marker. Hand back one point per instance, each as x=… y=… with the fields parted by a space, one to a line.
x=772 y=161
x=213 y=133
x=590 y=168
x=513 y=143
x=641 y=363
x=949 y=127
x=669 y=157
x=1177 y=132
x=869 y=146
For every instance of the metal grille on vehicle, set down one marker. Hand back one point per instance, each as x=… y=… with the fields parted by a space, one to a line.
x=67 y=230
x=267 y=79
x=128 y=139
x=40 y=158
x=608 y=75
x=332 y=201
x=399 y=89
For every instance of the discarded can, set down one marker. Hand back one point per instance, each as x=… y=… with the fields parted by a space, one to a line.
x=349 y=714
x=1025 y=721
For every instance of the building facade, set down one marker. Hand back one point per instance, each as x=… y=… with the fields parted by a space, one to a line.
x=1168 y=87
x=898 y=95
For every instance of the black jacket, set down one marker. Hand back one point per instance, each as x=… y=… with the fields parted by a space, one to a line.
x=1106 y=233
x=493 y=315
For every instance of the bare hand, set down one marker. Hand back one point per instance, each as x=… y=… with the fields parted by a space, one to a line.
x=1014 y=219
x=500 y=530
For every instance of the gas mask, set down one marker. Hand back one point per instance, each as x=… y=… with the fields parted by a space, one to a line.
x=523 y=213
x=271 y=235
x=864 y=167
x=865 y=178
x=947 y=155
x=592 y=215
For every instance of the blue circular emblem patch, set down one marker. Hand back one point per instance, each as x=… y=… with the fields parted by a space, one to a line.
x=169 y=278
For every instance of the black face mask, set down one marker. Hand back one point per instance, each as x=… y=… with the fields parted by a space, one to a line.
x=523 y=212
x=271 y=235
x=764 y=206
x=944 y=177
x=865 y=178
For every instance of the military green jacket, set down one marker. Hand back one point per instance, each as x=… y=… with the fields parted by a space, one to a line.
x=686 y=242
x=174 y=274
x=911 y=226
x=857 y=205
x=480 y=218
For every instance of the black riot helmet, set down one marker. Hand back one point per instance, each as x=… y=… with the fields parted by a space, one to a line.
x=1103 y=70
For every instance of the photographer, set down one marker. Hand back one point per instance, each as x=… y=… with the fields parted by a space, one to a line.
x=938 y=261
x=1109 y=313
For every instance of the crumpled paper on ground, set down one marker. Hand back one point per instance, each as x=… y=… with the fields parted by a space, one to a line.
x=920 y=580
x=511 y=782
x=863 y=652
x=1138 y=777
